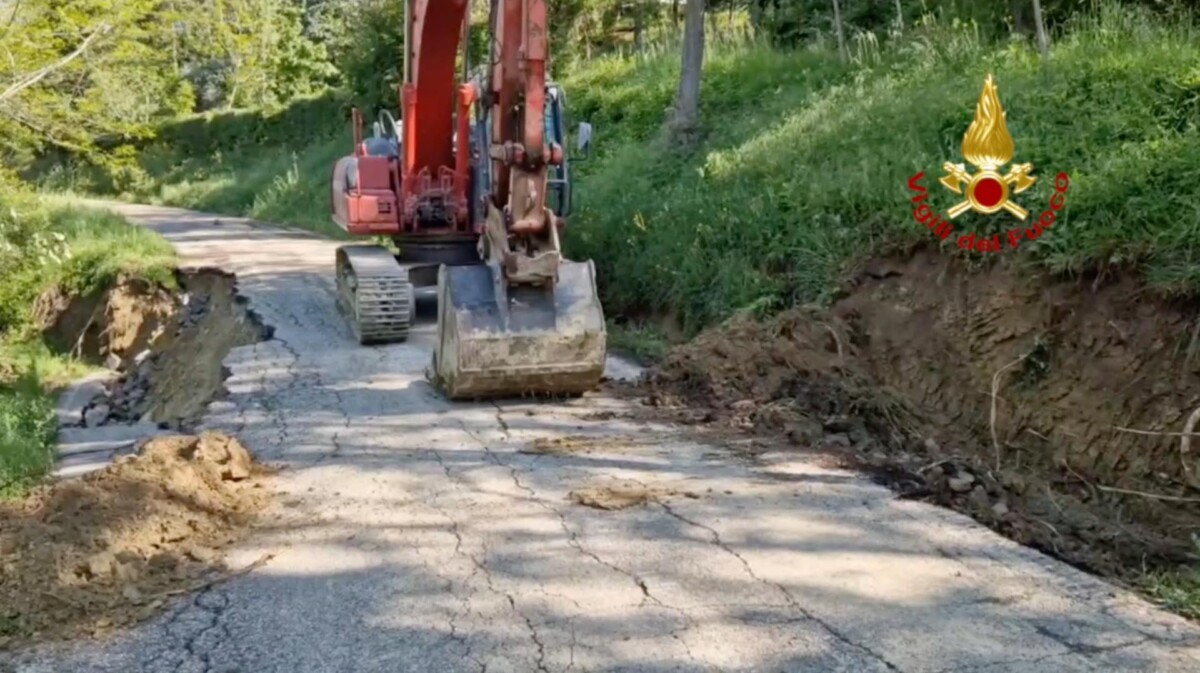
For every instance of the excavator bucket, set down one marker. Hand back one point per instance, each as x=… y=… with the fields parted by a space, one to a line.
x=497 y=341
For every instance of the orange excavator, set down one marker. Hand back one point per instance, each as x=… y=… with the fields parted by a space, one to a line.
x=473 y=186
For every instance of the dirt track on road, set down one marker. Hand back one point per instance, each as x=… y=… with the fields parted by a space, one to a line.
x=422 y=535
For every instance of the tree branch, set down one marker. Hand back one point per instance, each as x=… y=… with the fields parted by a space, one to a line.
x=38 y=75
x=44 y=133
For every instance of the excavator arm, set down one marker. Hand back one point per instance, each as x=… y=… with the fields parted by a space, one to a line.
x=521 y=319
x=526 y=321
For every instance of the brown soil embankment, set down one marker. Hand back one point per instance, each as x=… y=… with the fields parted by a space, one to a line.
x=1052 y=410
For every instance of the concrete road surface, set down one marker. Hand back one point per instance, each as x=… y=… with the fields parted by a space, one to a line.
x=423 y=536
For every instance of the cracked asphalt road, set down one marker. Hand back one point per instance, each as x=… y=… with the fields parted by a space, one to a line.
x=422 y=535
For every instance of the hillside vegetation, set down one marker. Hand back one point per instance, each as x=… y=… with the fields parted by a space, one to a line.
x=805 y=164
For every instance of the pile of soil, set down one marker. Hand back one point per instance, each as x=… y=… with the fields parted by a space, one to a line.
x=624 y=494
x=1050 y=409
x=86 y=555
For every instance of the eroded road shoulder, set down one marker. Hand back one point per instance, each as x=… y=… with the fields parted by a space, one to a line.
x=427 y=536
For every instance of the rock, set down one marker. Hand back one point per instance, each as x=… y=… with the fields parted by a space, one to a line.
x=70 y=405
x=201 y=554
x=859 y=435
x=113 y=361
x=979 y=498
x=141 y=358
x=743 y=405
x=96 y=416
x=838 y=439
x=803 y=433
x=931 y=444
x=961 y=483
x=1000 y=509
x=838 y=424
x=101 y=565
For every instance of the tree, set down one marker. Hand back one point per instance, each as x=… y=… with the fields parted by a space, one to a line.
x=1043 y=39
x=73 y=71
x=686 y=121
x=841 y=35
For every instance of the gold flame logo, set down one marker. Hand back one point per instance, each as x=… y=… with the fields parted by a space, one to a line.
x=987 y=145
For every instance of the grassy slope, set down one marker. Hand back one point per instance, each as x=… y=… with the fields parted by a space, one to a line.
x=44 y=242
x=806 y=163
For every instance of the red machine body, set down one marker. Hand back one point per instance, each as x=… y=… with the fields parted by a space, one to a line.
x=424 y=189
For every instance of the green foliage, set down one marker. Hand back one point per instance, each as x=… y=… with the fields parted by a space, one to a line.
x=26 y=434
x=91 y=77
x=286 y=183
x=365 y=40
x=806 y=162
x=247 y=53
x=44 y=242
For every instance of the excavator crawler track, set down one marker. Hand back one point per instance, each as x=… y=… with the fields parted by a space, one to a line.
x=374 y=293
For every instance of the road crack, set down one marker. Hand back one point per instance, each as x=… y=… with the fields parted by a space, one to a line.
x=787 y=596
x=573 y=541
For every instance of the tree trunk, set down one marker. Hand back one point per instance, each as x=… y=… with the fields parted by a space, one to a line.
x=841 y=35
x=638 y=18
x=687 y=101
x=1020 y=16
x=1043 y=38
x=675 y=13
x=899 y=17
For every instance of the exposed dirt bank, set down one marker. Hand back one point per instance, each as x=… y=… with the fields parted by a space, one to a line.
x=86 y=555
x=166 y=347
x=1047 y=409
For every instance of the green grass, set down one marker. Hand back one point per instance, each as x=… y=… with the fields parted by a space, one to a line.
x=26 y=435
x=46 y=242
x=286 y=183
x=644 y=343
x=1179 y=590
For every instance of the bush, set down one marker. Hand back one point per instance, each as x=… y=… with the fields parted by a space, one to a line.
x=26 y=434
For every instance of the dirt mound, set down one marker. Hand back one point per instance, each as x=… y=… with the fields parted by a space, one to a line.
x=624 y=494
x=86 y=555
x=1048 y=409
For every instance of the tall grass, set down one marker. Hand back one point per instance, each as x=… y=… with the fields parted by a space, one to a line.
x=26 y=434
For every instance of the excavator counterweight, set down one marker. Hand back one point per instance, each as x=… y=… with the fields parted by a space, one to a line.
x=472 y=184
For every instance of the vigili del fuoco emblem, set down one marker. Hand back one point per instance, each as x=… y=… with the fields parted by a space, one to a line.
x=988 y=147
